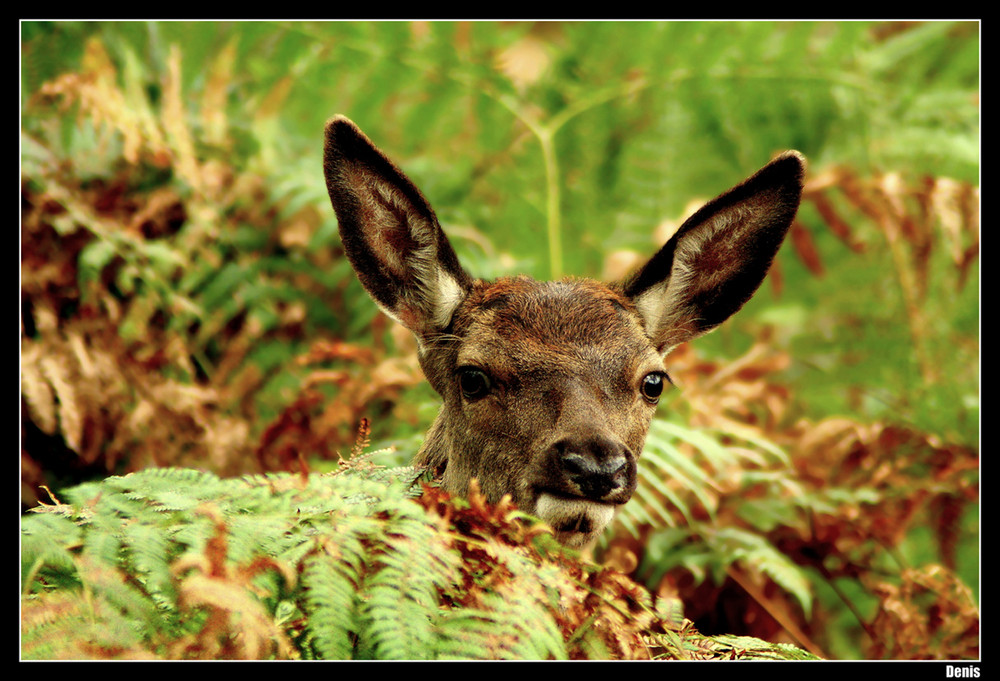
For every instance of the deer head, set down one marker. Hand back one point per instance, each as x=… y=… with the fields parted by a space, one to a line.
x=548 y=387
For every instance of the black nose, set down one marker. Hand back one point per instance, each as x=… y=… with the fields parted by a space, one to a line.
x=596 y=467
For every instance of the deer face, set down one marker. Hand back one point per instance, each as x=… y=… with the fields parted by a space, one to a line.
x=548 y=387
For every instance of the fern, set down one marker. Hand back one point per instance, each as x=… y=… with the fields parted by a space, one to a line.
x=179 y=564
x=704 y=468
x=752 y=549
x=403 y=581
x=331 y=587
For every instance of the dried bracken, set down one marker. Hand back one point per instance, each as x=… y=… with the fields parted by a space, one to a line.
x=141 y=322
x=841 y=504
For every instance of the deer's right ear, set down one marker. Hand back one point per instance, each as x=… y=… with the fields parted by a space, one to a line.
x=390 y=233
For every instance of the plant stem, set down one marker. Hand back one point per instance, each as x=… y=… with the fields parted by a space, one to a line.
x=553 y=194
x=545 y=133
x=781 y=617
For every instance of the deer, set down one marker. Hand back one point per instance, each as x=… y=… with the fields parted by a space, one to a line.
x=548 y=388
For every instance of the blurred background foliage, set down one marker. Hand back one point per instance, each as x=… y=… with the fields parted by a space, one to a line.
x=184 y=298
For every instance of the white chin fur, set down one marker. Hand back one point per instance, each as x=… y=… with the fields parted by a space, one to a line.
x=576 y=522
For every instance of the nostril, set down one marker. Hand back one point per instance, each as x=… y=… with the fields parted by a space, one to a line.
x=594 y=467
x=575 y=464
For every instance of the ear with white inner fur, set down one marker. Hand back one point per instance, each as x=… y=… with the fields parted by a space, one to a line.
x=390 y=233
x=718 y=258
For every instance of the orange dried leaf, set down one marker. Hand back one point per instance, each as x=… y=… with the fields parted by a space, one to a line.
x=805 y=248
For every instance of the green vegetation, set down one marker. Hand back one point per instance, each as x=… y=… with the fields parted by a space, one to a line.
x=185 y=304
x=179 y=564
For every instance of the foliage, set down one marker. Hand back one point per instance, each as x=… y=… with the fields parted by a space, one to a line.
x=185 y=303
x=753 y=521
x=180 y=564
x=162 y=295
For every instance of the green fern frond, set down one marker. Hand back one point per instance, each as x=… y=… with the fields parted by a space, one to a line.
x=404 y=580
x=149 y=560
x=681 y=468
x=331 y=588
x=183 y=564
x=753 y=550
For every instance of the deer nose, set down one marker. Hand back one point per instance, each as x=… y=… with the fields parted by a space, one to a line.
x=597 y=467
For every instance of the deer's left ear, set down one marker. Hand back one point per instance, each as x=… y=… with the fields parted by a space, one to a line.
x=390 y=233
x=717 y=259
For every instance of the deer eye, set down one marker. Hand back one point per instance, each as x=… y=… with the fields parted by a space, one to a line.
x=475 y=383
x=652 y=387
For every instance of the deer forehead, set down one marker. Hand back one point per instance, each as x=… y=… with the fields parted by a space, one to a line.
x=521 y=325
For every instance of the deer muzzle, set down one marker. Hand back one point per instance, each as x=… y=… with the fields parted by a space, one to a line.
x=586 y=479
